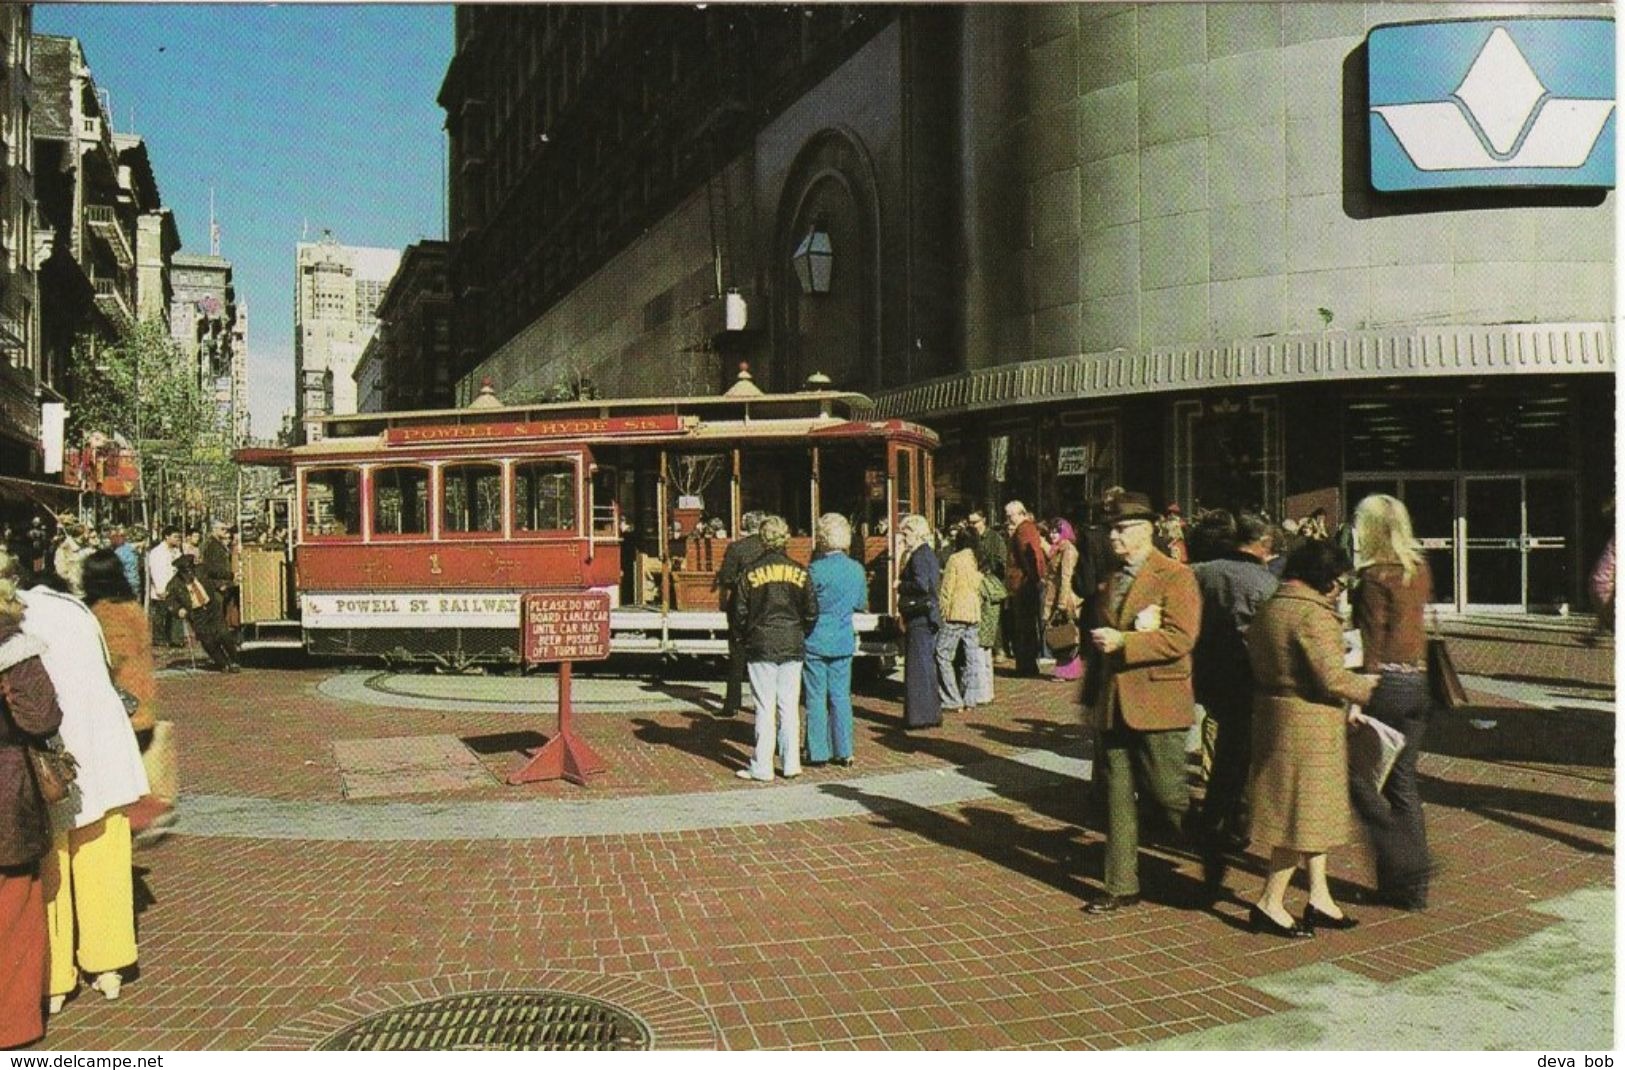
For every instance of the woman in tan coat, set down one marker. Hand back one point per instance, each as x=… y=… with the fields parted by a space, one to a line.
x=1300 y=783
x=1059 y=598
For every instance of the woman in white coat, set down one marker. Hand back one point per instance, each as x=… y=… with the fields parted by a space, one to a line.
x=89 y=890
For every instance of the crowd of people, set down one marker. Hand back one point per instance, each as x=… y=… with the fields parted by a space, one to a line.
x=181 y=577
x=77 y=675
x=1151 y=616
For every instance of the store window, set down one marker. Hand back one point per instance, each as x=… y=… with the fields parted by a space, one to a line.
x=1227 y=454
x=1399 y=434
x=1526 y=430
x=1085 y=464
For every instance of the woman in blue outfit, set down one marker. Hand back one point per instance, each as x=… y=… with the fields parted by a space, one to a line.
x=918 y=589
x=826 y=682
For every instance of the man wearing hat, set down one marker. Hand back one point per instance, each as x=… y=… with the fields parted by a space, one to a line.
x=740 y=555
x=1137 y=690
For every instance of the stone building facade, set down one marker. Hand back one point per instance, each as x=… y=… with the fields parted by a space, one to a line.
x=337 y=289
x=408 y=362
x=1089 y=244
x=19 y=290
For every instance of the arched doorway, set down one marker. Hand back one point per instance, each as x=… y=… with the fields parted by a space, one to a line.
x=833 y=325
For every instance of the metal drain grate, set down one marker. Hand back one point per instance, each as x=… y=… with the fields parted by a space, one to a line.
x=497 y=1021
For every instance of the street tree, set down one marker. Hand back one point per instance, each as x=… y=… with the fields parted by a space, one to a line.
x=145 y=391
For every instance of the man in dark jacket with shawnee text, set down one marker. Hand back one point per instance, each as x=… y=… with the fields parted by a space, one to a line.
x=777 y=608
x=739 y=556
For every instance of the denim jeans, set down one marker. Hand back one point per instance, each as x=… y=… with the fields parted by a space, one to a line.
x=827 y=685
x=1393 y=817
x=950 y=639
x=777 y=687
x=983 y=694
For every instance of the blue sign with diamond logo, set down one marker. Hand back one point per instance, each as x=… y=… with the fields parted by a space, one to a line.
x=1492 y=102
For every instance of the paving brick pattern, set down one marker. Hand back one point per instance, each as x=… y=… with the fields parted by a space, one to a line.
x=910 y=927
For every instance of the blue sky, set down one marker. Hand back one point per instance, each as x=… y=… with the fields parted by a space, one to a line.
x=294 y=115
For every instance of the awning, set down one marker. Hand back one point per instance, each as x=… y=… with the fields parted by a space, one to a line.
x=1386 y=354
x=52 y=496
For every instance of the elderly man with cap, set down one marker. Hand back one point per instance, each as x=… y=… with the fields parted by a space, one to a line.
x=1137 y=689
x=740 y=555
x=214 y=569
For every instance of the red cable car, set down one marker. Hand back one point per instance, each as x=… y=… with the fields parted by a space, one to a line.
x=414 y=534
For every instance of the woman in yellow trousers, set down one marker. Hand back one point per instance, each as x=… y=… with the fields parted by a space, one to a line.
x=90 y=901
x=89 y=890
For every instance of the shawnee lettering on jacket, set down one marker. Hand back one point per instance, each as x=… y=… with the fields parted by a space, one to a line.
x=777 y=607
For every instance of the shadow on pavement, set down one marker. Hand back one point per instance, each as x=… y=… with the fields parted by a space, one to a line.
x=703 y=736
x=1565 y=735
x=1512 y=806
x=1055 y=857
x=503 y=742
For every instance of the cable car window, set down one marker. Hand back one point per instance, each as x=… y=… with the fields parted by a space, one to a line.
x=400 y=501
x=472 y=498
x=852 y=482
x=333 y=502
x=544 y=496
x=778 y=481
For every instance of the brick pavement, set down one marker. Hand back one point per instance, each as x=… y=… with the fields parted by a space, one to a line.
x=903 y=926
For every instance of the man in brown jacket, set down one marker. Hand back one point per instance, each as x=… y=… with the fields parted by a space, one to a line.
x=1137 y=690
x=1024 y=577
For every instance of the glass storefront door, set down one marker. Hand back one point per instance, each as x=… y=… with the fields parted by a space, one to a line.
x=1492 y=538
x=1493 y=543
x=1550 y=516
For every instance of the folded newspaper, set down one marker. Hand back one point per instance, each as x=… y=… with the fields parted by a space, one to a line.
x=1373 y=749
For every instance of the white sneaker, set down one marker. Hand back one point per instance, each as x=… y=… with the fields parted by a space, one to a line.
x=57 y=1002
x=108 y=984
x=746 y=774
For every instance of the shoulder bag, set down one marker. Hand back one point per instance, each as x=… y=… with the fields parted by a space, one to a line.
x=1444 y=683
x=54 y=769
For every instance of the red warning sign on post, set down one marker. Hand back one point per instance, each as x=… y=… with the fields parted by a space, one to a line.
x=571 y=626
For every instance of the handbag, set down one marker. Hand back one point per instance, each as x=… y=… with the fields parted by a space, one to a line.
x=1444 y=683
x=54 y=769
x=160 y=760
x=1061 y=633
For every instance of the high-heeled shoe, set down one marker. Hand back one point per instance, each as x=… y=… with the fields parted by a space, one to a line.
x=1315 y=918
x=1263 y=923
x=108 y=984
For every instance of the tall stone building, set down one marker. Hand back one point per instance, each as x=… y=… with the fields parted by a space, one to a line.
x=408 y=363
x=241 y=416
x=19 y=292
x=157 y=239
x=1193 y=248
x=203 y=322
x=337 y=289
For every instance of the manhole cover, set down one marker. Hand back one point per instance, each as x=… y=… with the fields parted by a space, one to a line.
x=497 y=1021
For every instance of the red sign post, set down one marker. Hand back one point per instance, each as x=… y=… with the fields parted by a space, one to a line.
x=562 y=628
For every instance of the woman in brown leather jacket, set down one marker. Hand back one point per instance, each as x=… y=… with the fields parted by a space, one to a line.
x=28 y=714
x=1390 y=599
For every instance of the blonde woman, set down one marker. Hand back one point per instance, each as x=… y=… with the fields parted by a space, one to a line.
x=961 y=604
x=777 y=608
x=919 y=587
x=1390 y=597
